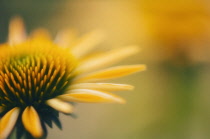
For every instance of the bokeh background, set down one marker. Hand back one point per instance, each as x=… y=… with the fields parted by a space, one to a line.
x=171 y=99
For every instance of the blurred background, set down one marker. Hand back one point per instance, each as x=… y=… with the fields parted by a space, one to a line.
x=171 y=99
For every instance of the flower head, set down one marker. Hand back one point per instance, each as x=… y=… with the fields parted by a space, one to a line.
x=40 y=78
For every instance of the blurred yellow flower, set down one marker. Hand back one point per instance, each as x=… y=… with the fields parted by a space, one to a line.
x=38 y=78
x=179 y=28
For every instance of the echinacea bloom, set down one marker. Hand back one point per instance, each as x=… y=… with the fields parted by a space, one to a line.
x=40 y=78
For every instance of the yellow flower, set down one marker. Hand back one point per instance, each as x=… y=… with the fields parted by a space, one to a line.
x=179 y=29
x=40 y=78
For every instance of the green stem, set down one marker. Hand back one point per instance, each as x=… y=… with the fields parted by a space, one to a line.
x=184 y=89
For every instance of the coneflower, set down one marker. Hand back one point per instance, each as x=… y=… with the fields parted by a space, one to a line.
x=40 y=78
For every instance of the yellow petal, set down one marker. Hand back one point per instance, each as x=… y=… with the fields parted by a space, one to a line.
x=110 y=73
x=91 y=96
x=31 y=122
x=60 y=105
x=107 y=59
x=40 y=34
x=7 y=122
x=102 y=86
x=86 y=43
x=16 y=31
x=65 y=38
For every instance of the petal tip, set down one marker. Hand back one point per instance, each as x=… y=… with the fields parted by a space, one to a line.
x=130 y=87
x=141 y=67
x=60 y=105
x=121 y=101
